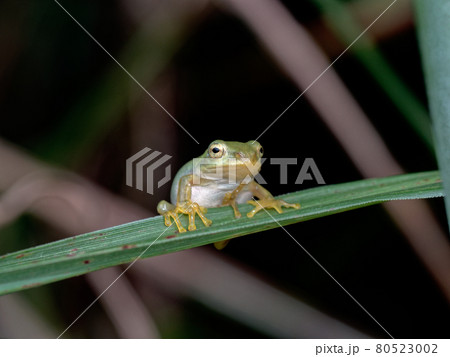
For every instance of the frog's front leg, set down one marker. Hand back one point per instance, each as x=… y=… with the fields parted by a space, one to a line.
x=266 y=200
x=230 y=199
x=184 y=205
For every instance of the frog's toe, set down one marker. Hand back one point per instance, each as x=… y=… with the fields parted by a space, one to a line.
x=255 y=210
x=275 y=205
x=230 y=201
x=167 y=221
x=176 y=220
x=287 y=204
x=192 y=227
x=207 y=222
x=199 y=210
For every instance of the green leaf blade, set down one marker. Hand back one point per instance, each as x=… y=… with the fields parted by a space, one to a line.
x=123 y=244
x=434 y=30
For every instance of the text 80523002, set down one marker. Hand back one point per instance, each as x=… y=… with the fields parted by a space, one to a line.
x=406 y=348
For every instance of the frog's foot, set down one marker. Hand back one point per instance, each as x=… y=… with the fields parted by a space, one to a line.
x=228 y=200
x=170 y=211
x=269 y=203
x=191 y=209
x=173 y=214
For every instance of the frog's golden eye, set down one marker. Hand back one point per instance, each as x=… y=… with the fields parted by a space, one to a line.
x=216 y=150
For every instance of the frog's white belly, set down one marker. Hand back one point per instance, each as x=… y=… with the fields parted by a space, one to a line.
x=212 y=196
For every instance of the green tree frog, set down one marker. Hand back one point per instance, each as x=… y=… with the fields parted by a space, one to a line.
x=222 y=176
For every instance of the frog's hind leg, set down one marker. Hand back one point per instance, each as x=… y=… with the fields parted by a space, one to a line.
x=222 y=244
x=266 y=200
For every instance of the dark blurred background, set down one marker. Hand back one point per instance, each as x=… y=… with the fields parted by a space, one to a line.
x=67 y=104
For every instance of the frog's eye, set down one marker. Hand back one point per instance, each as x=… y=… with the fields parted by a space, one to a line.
x=216 y=150
x=261 y=150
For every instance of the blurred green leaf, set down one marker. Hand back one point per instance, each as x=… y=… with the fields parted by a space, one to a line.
x=340 y=19
x=145 y=56
x=122 y=244
x=434 y=34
